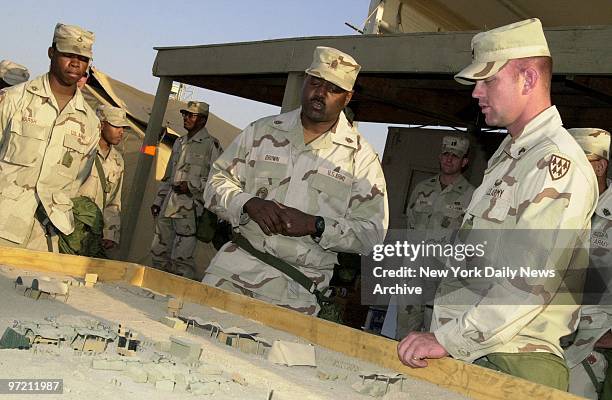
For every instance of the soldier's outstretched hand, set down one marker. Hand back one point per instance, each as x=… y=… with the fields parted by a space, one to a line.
x=296 y=222
x=266 y=213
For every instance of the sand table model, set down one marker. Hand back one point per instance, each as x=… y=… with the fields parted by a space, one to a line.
x=116 y=341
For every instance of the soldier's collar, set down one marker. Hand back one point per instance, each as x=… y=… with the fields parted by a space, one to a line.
x=458 y=185
x=40 y=87
x=287 y=121
x=101 y=152
x=199 y=135
x=529 y=137
x=344 y=134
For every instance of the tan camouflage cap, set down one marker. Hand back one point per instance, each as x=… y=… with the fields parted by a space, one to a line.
x=491 y=50
x=456 y=145
x=334 y=66
x=595 y=142
x=196 y=107
x=113 y=115
x=13 y=73
x=74 y=40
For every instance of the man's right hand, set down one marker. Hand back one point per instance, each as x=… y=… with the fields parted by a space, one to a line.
x=155 y=210
x=266 y=213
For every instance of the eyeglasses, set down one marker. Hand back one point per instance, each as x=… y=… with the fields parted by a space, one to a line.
x=187 y=114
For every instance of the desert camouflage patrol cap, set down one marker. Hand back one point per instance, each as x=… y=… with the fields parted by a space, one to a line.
x=13 y=73
x=113 y=115
x=456 y=145
x=196 y=107
x=595 y=142
x=334 y=66
x=73 y=39
x=491 y=50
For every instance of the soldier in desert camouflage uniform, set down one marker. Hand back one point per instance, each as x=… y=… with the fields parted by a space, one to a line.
x=435 y=209
x=539 y=179
x=589 y=356
x=179 y=198
x=12 y=74
x=108 y=198
x=48 y=136
x=439 y=203
x=300 y=186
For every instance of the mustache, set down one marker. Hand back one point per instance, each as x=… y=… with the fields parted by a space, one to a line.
x=317 y=99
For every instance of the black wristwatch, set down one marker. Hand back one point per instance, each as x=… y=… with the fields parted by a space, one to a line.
x=320 y=227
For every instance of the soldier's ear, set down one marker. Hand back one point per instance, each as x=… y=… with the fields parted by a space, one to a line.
x=464 y=162
x=601 y=167
x=532 y=76
x=50 y=52
x=349 y=96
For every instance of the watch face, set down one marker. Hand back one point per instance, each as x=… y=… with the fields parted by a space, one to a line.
x=320 y=225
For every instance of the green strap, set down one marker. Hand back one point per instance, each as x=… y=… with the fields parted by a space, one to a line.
x=102 y=180
x=591 y=374
x=277 y=263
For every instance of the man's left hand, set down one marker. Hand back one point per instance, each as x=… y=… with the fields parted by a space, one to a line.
x=417 y=346
x=108 y=244
x=295 y=222
x=181 y=188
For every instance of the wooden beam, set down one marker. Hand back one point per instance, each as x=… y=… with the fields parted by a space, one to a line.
x=468 y=379
x=576 y=50
x=107 y=270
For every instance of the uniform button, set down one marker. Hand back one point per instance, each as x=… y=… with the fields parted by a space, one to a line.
x=522 y=150
x=606 y=212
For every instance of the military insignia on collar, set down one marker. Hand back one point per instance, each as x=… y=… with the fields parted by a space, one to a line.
x=558 y=167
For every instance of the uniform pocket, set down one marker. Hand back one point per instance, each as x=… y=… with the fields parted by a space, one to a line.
x=194 y=158
x=267 y=178
x=331 y=186
x=330 y=196
x=17 y=206
x=74 y=152
x=26 y=143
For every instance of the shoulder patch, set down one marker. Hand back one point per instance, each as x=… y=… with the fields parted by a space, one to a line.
x=558 y=167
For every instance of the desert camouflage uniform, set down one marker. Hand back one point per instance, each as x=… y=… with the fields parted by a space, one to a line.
x=113 y=167
x=174 y=240
x=45 y=156
x=432 y=208
x=595 y=319
x=337 y=176
x=436 y=212
x=540 y=180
